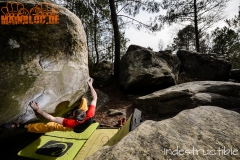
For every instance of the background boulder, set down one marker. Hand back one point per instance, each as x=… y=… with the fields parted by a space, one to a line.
x=102 y=73
x=142 y=70
x=46 y=63
x=103 y=78
x=189 y=95
x=206 y=132
x=199 y=66
x=101 y=100
x=235 y=75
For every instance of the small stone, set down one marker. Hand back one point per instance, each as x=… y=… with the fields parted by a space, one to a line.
x=113 y=112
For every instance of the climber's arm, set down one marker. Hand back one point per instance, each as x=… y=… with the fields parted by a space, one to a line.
x=51 y=118
x=93 y=92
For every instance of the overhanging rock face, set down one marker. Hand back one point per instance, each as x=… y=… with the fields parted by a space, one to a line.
x=47 y=63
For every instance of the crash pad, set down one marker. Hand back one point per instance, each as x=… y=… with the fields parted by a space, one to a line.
x=121 y=133
x=59 y=145
x=71 y=134
x=52 y=148
x=97 y=140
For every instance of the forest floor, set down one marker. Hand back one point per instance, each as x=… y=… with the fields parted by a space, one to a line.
x=118 y=101
x=121 y=101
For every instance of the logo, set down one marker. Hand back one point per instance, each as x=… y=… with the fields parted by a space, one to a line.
x=54 y=148
x=15 y=13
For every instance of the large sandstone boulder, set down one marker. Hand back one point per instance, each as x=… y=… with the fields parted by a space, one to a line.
x=204 y=66
x=189 y=95
x=142 y=70
x=46 y=63
x=203 y=133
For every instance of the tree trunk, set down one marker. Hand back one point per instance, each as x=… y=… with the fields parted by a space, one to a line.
x=112 y=48
x=116 y=37
x=95 y=36
x=196 y=26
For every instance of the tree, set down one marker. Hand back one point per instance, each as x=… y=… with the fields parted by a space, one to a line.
x=116 y=37
x=201 y=13
x=226 y=40
x=160 y=45
x=92 y=16
x=132 y=8
x=235 y=22
x=96 y=15
x=186 y=40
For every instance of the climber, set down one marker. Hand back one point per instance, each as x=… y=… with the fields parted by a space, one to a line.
x=81 y=117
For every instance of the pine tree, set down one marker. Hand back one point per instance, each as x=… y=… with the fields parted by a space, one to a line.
x=201 y=14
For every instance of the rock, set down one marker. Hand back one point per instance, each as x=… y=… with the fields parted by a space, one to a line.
x=190 y=95
x=142 y=70
x=102 y=73
x=103 y=78
x=206 y=132
x=101 y=101
x=204 y=66
x=114 y=112
x=46 y=63
x=106 y=65
x=235 y=75
x=132 y=96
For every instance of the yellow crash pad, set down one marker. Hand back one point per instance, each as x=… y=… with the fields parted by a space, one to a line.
x=97 y=140
x=71 y=134
x=52 y=148
x=121 y=133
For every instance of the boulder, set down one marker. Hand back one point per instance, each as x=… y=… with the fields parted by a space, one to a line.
x=102 y=98
x=235 y=75
x=102 y=73
x=46 y=63
x=190 y=95
x=206 y=132
x=204 y=66
x=106 y=65
x=103 y=78
x=142 y=70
